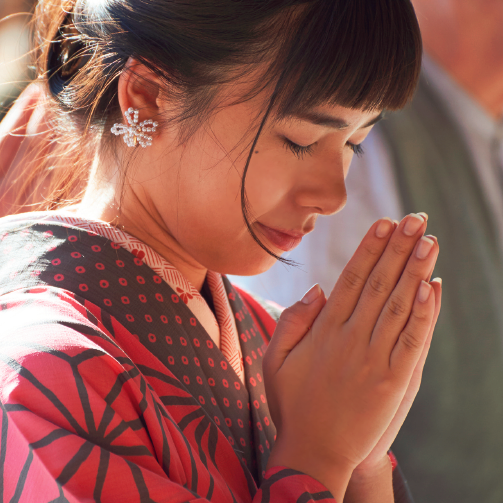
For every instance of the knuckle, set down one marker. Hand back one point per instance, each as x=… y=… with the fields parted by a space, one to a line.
x=352 y=279
x=291 y=318
x=400 y=248
x=413 y=273
x=373 y=251
x=411 y=341
x=397 y=307
x=419 y=317
x=378 y=284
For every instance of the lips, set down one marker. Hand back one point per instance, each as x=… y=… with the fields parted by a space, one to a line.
x=283 y=240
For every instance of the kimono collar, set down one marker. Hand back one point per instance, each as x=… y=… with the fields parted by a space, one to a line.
x=222 y=328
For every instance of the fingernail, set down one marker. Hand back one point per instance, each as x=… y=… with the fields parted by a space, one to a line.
x=424 y=291
x=423 y=215
x=413 y=224
x=424 y=247
x=312 y=294
x=384 y=228
x=437 y=280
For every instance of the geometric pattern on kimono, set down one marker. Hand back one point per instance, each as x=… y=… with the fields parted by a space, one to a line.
x=129 y=293
x=191 y=427
x=223 y=332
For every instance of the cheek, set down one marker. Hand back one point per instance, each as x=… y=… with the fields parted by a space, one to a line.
x=347 y=160
x=211 y=227
x=268 y=181
x=199 y=198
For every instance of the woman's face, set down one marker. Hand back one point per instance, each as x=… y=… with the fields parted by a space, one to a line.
x=192 y=192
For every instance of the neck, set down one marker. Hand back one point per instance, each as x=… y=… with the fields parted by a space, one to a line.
x=465 y=38
x=99 y=203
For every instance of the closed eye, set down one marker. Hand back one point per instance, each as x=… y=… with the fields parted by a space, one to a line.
x=298 y=150
x=301 y=151
x=357 y=149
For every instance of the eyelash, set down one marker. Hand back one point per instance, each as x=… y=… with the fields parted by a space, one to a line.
x=300 y=151
x=357 y=149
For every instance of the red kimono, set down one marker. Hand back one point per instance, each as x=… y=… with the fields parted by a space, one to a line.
x=112 y=391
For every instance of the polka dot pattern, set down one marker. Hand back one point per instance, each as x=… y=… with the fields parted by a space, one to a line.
x=222 y=328
x=253 y=346
x=129 y=291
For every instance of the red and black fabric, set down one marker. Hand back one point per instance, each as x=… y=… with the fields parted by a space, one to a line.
x=110 y=390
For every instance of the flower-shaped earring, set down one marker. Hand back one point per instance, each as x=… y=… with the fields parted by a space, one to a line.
x=134 y=134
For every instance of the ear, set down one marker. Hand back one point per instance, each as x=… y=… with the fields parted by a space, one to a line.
x=139 y=88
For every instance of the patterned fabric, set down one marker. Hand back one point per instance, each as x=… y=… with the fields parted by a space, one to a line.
x=222 y=329
x=112 y=390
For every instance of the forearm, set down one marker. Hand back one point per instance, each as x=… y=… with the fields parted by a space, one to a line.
x=371 y=485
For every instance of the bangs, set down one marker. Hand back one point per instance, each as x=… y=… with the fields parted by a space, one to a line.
x=360 y=54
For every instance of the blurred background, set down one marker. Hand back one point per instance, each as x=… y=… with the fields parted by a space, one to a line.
x=442 y=155
x=14 y=48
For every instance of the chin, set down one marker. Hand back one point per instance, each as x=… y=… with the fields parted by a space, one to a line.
x=251 y=266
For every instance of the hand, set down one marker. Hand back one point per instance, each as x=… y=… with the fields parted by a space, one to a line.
x=374 y=473
x=380 y=451
x=334 y=389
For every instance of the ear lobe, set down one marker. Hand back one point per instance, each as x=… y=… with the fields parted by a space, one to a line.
x=139 y=88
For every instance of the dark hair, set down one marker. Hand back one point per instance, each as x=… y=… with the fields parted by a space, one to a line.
x=363 y=54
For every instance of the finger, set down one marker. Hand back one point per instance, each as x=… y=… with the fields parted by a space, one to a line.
x=413 y=338
x=396 y=312
x=415 y=380
x=418 y=371
x=387 y=272
x=347 y=290
x=429 y=236
x=292 y=326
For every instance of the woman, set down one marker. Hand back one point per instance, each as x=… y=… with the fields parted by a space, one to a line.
x=131 y=368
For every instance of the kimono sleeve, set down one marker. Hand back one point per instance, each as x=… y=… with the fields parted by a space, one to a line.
x=79 y=422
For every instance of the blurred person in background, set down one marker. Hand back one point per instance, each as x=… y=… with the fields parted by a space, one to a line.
x=25 y=128
x=443 y=154
x=14 y=48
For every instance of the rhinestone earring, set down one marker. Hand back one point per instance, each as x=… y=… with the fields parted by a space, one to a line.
x=134 y=134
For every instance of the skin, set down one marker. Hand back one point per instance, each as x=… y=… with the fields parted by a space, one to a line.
x=465 y=38
x=368 y=341
x=184 y=200
x=373 y=328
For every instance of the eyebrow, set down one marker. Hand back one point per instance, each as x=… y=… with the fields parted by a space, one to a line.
x=321 y=119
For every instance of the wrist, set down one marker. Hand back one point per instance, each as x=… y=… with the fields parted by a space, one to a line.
x=371 y=482
x=374 y=468
x=333 y=473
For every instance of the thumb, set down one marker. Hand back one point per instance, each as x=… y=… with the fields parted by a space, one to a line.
x=292 y=326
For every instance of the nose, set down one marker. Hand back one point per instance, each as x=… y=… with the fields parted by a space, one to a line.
x=323 y=189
